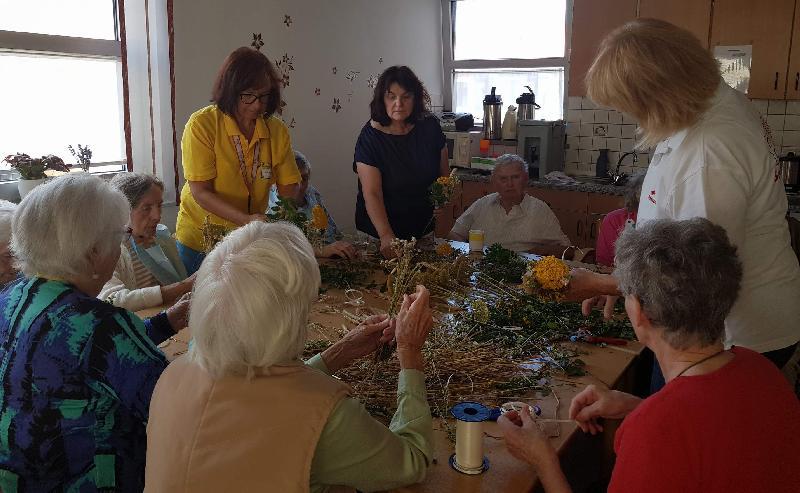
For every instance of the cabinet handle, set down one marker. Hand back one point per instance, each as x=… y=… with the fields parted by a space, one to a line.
x=776 y=81
x=578 y=228
x=591 y=230
x=796 y=80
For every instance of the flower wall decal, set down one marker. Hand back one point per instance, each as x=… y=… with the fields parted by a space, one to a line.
x=380 y=60
x=372 y=81
x=287 y=19
x=351 y=75
x=334 y=70
x=317 y=91
x=336 y=106
x=257 y=43
x=285 y=65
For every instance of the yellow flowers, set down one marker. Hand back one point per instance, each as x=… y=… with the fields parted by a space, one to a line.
x=444 y=249
x=443 y=188
x=480 y=311
x=319 y=219
x=547 y=277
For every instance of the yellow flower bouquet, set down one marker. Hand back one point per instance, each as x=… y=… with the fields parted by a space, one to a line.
x=441 y=191
x=547 y=278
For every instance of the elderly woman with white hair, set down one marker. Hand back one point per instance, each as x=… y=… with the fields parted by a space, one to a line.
x=7 y=271
x=727 y=420
x=150 y=271
x=712 y=159
x=76 y=372
x=242 y=412
x=511 y=217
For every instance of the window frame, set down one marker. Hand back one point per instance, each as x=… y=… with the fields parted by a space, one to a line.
x=449 y=65
x=77 y=47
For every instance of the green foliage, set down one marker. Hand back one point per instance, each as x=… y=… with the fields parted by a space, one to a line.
x=33 y=168
x=344 y=274
x=503 y=264
x=286 y=210
x=83 y=156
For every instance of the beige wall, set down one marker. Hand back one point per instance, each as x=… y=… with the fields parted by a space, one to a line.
x=346 y=34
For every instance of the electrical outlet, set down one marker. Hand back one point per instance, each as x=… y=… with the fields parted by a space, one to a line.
x=600 y=130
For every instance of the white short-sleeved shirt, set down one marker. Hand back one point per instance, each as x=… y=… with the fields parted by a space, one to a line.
x=723 y=169
x=530 y=222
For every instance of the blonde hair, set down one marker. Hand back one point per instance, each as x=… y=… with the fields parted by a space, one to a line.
x=656 y=72
x=251 y=299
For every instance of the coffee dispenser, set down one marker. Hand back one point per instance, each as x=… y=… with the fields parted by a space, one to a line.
x=541 y=144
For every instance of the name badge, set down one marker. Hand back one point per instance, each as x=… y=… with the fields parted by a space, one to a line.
x=266 y=171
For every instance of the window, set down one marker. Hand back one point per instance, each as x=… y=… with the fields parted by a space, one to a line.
x=507 y=44
x=62 y=81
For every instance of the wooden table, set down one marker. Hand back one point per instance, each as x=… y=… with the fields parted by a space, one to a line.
x=609 y=366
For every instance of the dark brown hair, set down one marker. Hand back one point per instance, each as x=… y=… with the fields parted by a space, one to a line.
x=406 y=79
x=243 y=69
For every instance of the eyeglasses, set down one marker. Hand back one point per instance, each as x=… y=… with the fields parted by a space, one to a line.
x=248 y=98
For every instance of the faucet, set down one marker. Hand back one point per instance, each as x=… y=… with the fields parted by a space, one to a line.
x=617 y=177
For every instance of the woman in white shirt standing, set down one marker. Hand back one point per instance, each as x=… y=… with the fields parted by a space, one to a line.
x=713 y=158
x=149 y=272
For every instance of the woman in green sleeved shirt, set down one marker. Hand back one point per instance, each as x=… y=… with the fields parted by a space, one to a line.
x=249 y=415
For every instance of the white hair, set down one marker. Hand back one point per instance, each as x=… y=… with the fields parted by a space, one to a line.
x=251 y=299
x=58 y=225
x=6 y=215
x=508 y=160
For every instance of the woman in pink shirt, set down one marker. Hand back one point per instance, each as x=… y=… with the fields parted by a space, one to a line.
x=617 y=221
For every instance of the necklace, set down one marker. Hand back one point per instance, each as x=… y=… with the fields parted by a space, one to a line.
x=698 y=362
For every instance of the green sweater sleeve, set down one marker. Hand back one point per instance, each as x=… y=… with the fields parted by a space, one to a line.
x=356 y=450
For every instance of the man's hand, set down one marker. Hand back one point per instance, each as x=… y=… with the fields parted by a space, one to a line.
x=604 y=302
x=340 y=249
x=524 y=439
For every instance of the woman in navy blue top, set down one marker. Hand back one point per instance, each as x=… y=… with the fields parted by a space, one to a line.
x=399 y=153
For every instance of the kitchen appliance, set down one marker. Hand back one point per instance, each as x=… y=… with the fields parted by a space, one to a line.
x=541 y=144
x=492 y=124
x=455 y=122
x=527 y=105
x=461 y=146
x=790 y=171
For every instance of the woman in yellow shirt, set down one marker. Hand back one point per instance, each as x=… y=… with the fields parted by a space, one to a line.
x=234 y=150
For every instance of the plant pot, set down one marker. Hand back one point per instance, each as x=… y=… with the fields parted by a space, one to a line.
x=25 y=186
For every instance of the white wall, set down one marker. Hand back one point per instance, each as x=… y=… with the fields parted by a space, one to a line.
x=346 y=34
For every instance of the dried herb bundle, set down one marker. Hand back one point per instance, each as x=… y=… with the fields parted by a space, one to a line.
x=503 y=264
x=212 y=234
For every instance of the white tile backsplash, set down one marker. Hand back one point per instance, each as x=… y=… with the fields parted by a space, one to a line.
x=777 y=107
x=572 y=142
x=627 y=119
x=587 y=130
x=792 y=122
x=574 y=102
x=599 y=143
x=573 y=116
x=573 y=129
x=585 y=142
x=628 y=131
x=791 y=139
x=571 y=156
x=613 y=143
x=775 y=122
x=614 y=117
x=761 y=105
x=601 y=116
x=588 y=104
x=614 y=130
x=626 y=145
x=793 y=107
x=584 y=156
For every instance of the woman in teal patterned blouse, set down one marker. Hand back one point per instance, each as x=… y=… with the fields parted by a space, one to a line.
x=77 y=373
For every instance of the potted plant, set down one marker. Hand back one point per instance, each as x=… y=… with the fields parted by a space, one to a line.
x=83 y=156
x=32 y=170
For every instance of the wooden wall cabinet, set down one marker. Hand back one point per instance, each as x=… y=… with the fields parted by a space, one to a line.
x=793 y=73
x=768 y=27
x=692 y=15
x=592 y=20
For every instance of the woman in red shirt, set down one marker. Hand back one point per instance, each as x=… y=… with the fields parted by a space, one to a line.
x=726 y=421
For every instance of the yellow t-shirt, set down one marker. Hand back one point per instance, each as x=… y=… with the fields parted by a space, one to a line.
x=209 y=153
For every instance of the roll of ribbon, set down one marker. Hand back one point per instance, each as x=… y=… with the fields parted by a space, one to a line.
x=469 y=458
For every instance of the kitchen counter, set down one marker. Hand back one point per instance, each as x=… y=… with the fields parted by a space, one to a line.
x=468 y=175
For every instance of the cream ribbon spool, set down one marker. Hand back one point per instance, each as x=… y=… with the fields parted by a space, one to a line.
x=469 y=458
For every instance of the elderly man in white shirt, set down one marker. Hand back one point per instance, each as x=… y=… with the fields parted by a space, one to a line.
x=511 y=217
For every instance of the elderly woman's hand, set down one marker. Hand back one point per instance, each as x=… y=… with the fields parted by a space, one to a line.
x=604 y=302
x=594 y=402
x=524 y=439
x=414 y=321
x=364 y=339
x=178 y=314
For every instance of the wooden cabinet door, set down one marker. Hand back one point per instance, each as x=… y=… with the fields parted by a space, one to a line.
x=472 y=191
x=567 y=200
x=601 y=203
x=793 y=76
x=693 y=15
x=573 y=224
x=768 y=27
x=592 y=20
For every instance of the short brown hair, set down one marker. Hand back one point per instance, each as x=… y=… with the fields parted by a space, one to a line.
x=243 y=69
x=406 y=79
x=656 y=72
